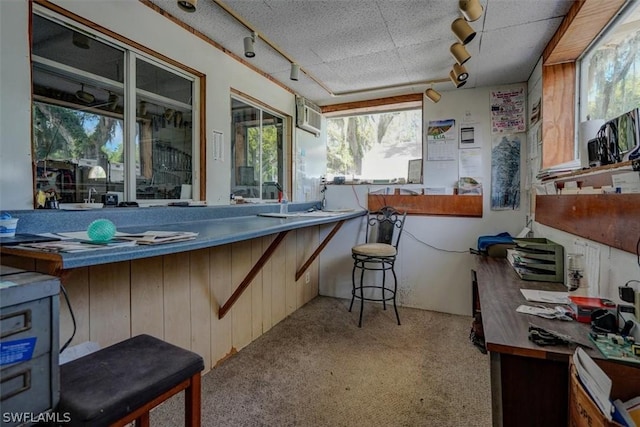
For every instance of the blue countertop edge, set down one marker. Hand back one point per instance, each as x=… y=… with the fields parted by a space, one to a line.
x=216 y=226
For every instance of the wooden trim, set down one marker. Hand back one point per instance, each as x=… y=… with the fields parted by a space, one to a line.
x=453 y=205
x=583 y=23
x=590 y=216
x=64 y=12
x=558 y=113
x=153 y=403
x=378 y=104
x=203 y=139
x=315 y=254
x=213 y=43
x=252 y=274
x=201 y=76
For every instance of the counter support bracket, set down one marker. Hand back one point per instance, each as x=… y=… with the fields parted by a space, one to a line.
x=313 y=256
x=252 y=274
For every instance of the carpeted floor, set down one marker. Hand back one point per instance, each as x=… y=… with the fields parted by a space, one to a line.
x=317 y=368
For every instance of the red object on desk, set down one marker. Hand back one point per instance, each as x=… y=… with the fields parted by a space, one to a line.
x=584 y=306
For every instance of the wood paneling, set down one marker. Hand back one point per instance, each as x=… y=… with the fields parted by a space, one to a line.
x=177 y=297
x=201 y=308
x=221 y=290
x=611 y=219
x=147 y=297
x=582 y=24
x=558 y=113
x=109 y=303
x=76 y=283
x=469 y=206
x=241 y=310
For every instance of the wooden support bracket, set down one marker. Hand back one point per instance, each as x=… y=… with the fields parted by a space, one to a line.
x=315 y=254
x=252 y=274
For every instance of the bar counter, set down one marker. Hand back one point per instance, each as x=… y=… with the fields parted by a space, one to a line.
x=213 y=295
x=215 y=226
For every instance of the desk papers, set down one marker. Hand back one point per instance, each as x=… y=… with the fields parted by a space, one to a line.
x=595 y=380
x=546 y=296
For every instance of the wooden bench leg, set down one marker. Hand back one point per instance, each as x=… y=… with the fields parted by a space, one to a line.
x=192 y=396
x=143 y=420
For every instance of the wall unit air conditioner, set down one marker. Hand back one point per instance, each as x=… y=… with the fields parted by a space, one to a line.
x=308 y=116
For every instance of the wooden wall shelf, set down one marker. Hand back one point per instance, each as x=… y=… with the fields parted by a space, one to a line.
x=421 y=204
x=611 y=219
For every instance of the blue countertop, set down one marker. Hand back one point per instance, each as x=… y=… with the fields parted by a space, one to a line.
x=215 y=226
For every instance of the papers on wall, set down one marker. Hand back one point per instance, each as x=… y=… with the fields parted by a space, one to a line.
x=545 y=296
x=442 y=140
x=591 y=255
x=595 y=381
x=471 y=164
x=470 y=135
x=508 y=111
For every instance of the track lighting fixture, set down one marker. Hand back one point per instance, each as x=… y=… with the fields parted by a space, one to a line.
x=457 y=83
x=188 y=5
x=460 y=72
x=471 y=9
x=295 y=70
x=460 y=53
x=433 y=95
x=462 y=30
x=249 y=52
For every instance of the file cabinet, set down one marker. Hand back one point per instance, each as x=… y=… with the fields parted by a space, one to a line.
x=29 y=344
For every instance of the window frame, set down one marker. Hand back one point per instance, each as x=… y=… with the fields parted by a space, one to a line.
x=131 y=52
x=373 y=107
x=286 y=144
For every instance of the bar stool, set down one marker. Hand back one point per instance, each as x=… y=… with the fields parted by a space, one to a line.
x=378 y=253
x=122 y=383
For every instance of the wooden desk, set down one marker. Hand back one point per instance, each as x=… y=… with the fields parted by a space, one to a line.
x=529 y=383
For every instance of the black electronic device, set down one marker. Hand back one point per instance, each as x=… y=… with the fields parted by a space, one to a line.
x=110 y=199
x=593 y=148
x=128 y=205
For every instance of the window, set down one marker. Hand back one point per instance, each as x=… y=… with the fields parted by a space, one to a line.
x=257 y=145
x=374 y=147
x=85 y=134
x=610 y=70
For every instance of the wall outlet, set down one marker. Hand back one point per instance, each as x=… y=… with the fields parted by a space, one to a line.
x=307 y=277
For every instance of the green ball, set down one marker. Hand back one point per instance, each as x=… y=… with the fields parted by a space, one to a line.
x=101 y=230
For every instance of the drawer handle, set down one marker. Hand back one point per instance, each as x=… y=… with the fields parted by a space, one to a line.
x=26 y=383
x=26 y=325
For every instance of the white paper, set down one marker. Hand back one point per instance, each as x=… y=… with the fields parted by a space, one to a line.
x=471 y=164
x=546 y=296
x=595 y=380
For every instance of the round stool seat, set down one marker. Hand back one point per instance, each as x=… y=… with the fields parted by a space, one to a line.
x=374 y=249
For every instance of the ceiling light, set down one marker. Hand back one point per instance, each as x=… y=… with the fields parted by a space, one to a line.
x=462 y=30
x=456 y=82
x=83 y=96
x=460 y=72
x=433 y=95
x=471 y=9
x=459 y=53
x=188 y=5
x=80 y=40
x=295 y=70
x=248 y=46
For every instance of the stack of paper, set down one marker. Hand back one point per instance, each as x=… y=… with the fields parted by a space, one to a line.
x=595 y=381
x=157 y=237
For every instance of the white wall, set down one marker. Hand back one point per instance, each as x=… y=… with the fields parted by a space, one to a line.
x=616 y=266
x=429 y=278
x=143 y=25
